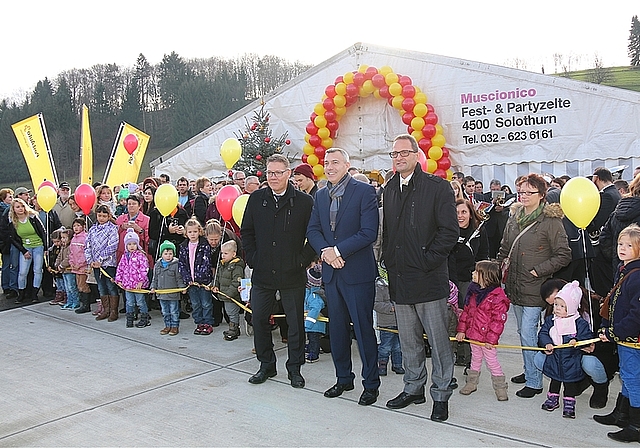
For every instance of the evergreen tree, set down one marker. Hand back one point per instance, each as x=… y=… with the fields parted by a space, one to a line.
x=634 y=42
x=258 y=144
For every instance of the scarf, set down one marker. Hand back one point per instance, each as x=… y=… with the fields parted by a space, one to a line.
x=563 y=326
x=479 y=293
x=525 y=220
x=335 y=193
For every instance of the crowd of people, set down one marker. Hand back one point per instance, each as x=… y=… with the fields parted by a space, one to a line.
x=440 y=262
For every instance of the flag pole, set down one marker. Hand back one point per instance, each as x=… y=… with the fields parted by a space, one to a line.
x=113 y=154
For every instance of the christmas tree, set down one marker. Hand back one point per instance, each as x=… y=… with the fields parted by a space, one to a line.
x=258 y=144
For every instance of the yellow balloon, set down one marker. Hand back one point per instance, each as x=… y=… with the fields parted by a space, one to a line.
x=327 y=142
x=420 y=98
x=319 y=109
x=313 y=160
x=438 y=140
x=47 y=198
x=439 y=129
x=376 y=93
x=580 y=201
x=395 y=89
x=397 y=102
x=340 y=111
x=339 y=101
x=417 y=123
x=435 y=152
x=348 y=78
x=323 y=133
x=238 y=207
x=341 y=89
x=390 y=78
x=432 y=166
x=318 y=170
x=368 y=86
x=308 y=149
x=385 y=70
x=362 y=93
x=307 y=137
x=418 y=135
x=363 y=68
x=230 y=151
x=420 y=110
x=166 y=199
x=320 y=121
x=449 y=175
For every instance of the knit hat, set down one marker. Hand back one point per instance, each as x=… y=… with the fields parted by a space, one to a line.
x=131 y=237
x=572 y=295
x=304 y=169
x=123 y=193
x=314 y=276
x=167 y=245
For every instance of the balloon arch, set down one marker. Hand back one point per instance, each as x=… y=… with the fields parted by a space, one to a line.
x=398 y=90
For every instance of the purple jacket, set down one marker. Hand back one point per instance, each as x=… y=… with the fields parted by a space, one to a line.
x=203 y=269
x=101 y=244
x=132 y=270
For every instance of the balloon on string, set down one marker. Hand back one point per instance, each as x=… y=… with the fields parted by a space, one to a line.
x=47 y=197
x=230 y=151
x=49 y=183
x=225 y=199
x=130 y=143
x=85 y=197
x=166 y=199
x=580 y=201
x=132 y=187
x=238 y=208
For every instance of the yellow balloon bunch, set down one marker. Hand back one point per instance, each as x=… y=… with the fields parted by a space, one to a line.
x=230 y=151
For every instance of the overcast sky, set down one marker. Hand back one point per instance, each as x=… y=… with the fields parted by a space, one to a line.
x=43 y=38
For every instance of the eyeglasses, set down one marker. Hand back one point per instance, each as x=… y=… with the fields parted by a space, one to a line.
x=403 y=153
x=277 y=174
x=528 y=193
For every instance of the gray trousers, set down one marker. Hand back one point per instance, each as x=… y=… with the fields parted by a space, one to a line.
x=414 y=320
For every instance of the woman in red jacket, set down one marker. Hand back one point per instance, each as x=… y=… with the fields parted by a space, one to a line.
x=482 y=320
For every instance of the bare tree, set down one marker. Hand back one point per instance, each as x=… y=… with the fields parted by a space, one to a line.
x=599 y=74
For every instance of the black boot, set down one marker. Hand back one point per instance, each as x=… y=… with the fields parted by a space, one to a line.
x=129 y=320
x=600 y=395
x=619 y=416
x=21 y=296
x=144 y=321
x=34 y=295
x=85 y=300
x=631 y=432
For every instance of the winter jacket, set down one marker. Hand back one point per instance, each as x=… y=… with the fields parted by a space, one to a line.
x=484 y=322
x=564 y=364
x=143 y=221
x=274 y=238
x=203 y=268
x=132 y=270
x=200 y=205
x=158 y=224
x=228 y=278
x=543 y=248
x=420 y=228
x=167 y=278
x=626 y=212
x=76 y=253
x=383 y=306
x=624 y=307
x=101 y=244
x=62 y=264
x=463 y=257
x=313 y=305
x=17 y=241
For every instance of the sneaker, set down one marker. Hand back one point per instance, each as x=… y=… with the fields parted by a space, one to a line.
x=207 y=329
x=312 y=357
x=198 y=329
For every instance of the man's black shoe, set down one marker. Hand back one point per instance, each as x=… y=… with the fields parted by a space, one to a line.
x=337 y=389
x=519 y=379
x=369 y=396
x=262 y=375
x=404 y=399
x=296 y=380
x=528 y=392
x=440 y=411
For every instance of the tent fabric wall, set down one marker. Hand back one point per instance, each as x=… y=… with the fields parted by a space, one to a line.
x=600 y=124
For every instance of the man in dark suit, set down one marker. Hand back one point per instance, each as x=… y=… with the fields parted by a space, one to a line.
x=273 y=236
x=342 y=229
x=420 y=227
x=601 y=272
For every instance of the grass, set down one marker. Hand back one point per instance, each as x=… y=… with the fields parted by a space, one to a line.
x=624 y=77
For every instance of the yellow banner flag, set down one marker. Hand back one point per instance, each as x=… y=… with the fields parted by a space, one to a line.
x=32 y=138
x=127 y=155
x=86 y=149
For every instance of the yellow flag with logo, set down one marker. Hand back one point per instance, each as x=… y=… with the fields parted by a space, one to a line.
x=34 y=144
x=86 y=149
x=127 y=156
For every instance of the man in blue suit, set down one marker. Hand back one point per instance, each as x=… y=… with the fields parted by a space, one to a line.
x=342 y=229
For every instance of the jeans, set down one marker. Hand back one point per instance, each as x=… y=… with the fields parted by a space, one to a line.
x=170 y=313
x=10 y=264
x=629 y=368
x=37 y=258
x=390 y=345
x=105 y=286
x=202 y=304
x=528 y=320
x=71 y=288
x=60 y=284
x=590 y=364
x=136 y=298
x=233 y=311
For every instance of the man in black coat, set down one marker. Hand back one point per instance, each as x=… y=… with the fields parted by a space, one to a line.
x=273 y=235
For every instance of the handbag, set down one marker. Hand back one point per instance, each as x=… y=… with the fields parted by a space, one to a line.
x=604 y=307
x=504 y=266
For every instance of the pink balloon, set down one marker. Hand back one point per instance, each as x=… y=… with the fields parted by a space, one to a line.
x=422 y=160
x=49 y=183
x=85 y=197
x=225 y=199
x=130 y=143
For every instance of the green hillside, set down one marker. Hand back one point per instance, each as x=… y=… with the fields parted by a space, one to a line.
x=624 y=77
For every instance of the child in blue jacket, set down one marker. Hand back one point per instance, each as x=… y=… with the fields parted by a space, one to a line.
x=313 y=304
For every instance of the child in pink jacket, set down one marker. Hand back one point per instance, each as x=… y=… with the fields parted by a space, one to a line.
x=132 y=274
x=78 y=264
x=482 y=320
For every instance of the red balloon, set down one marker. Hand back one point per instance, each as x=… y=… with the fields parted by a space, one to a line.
x=352 y=90
x=334 y=125
x=431 y=118
x=370 y=72
x=410 y=130
x=311 y=129
x=319 y=151
x=313 y=116
x=225 y=199
x=384 y=91
x=422 y=160
x=315 y=140
x=430 y=108
x=407 y=117
x=130 y=144
x=351 y=99
x=339 y=79
x=408 y=91
x=440 y=173
x=330 y=115
x=404 y=80
x=408 y=104
x=378 y=80
x=304 y=158
x=328 y=103
x=425 y=144
x=390 y=100
x=49 y=183
x=445 y=152
x=429 y=130
x=444 y=163
x=358 y=79
x=330 y=91
x=85 y=197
